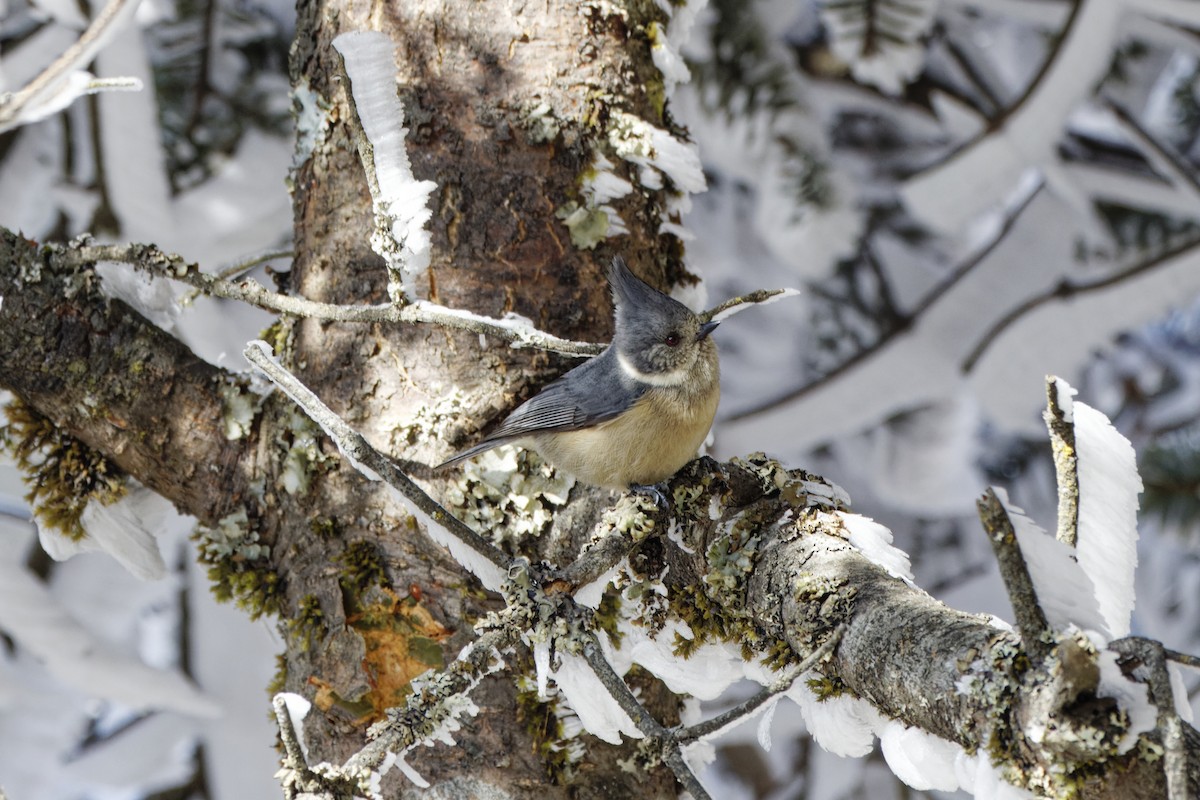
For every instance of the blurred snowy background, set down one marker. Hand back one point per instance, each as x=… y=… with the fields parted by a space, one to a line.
x=970 y=194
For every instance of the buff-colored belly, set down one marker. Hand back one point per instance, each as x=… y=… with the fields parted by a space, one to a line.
x=645 y=445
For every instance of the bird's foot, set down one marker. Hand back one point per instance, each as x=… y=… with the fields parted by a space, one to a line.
x=654 y=492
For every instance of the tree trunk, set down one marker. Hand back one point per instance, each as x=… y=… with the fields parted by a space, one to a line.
x=480 y=83
x=509 y=106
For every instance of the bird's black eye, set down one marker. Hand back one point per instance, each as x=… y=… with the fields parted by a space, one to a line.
x=672 y=339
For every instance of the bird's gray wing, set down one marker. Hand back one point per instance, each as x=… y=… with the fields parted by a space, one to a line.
x=587 y=395
x=590 y=394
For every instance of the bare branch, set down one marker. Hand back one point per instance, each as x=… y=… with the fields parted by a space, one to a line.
x=1067 y=290
x=427 y=707
x=647 y=724
x=293 y=753
x=1031 y=620
x=156 y=262
x=513 y=329
x=75 y=57
x=1183 y=658
x=734 y=715
x=1066 y=463
x=736 y=305
x=239 y=268
x=1175 y=758
x=1162 y=156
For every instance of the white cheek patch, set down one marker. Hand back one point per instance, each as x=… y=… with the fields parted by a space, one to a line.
x=672 y=378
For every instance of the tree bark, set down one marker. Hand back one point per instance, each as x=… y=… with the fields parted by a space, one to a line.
x=508 y=106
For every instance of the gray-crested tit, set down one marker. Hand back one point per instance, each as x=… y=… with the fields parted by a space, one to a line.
x=636 y=413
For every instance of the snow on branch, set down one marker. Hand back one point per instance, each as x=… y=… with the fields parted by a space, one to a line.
x=1084 y=575
x=1108 y=484
x=881 y=40
x=977 y=176
x=400 y=200
x=35 y=619
x=66 y=78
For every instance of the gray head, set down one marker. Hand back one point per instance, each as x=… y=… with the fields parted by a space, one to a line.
x=656 y=336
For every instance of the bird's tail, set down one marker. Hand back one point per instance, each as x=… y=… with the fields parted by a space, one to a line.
x=471 y=452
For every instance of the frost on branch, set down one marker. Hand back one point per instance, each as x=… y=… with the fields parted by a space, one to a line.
x=762 y=574
x=880 y=39
x=66 y=79
x=400 y=199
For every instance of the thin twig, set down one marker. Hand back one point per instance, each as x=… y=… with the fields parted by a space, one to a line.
x=1154 y=657
x=1066 y=463
x=671 y=752
x=1182 y=658
x=519 y=332
x=238 y=269
x=730 y=307
x=401 y=729
x=293 y=753
x=596 y=559
x=1031 y=620
x=74 y=57
x=1165 y=157
x=710 y=726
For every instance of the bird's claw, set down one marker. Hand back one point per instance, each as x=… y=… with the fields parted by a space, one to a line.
x=654 y=492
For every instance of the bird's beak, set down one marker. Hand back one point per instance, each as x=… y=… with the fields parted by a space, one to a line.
x=705 y=330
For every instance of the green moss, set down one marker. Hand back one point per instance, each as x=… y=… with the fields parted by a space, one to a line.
x=608 y=616
x=278 y=335
x=324 y=527
x=63 y=473
x=309 y=623
x=779 y=655
x=826 y=688
x=541 y=722
x=238 y=565
x=362 y=567
x=278 y=682
x=257 y=592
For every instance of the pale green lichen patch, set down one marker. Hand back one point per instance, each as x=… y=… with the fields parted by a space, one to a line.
x=311 y=112
x=588 y=226
x=232 y=539
x=236 y=565
x=303 y=457
x=239 y=407
x=509 y=492
x=438 y=419
x=632 y=515
x=541 y=124
x=63 y=474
